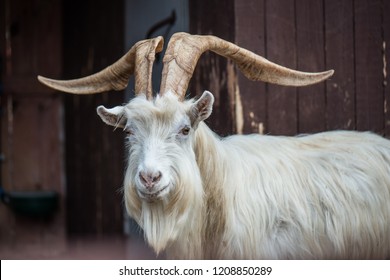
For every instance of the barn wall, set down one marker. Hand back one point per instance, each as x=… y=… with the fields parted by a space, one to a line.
x=206 y=17
x=31 y=121
x=93 y=39
x=351 y=37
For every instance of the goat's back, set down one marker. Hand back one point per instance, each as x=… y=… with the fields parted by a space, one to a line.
x=321 y=196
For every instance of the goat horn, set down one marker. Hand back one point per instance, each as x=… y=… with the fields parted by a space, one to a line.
x=138 y=60
x=184 y=51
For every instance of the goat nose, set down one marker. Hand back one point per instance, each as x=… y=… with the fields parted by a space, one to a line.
x=149 y=179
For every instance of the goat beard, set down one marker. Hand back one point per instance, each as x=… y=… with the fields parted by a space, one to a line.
x=178 y=216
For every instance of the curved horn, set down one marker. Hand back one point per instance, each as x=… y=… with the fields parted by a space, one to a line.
x=138 y=60
x=184 y=51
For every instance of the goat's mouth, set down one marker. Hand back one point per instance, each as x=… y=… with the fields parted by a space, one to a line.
x=153 y=196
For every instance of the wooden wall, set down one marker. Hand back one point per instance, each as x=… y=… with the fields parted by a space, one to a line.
x=52 y=140
x=213 y=72
x=350 y=36
x=31 y=119
x=93 y=39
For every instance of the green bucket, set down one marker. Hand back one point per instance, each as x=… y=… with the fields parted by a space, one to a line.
x=31 y=203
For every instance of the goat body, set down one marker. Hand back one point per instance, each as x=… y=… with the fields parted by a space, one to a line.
x=319 y=196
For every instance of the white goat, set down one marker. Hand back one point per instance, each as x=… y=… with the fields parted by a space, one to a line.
x=242 y=197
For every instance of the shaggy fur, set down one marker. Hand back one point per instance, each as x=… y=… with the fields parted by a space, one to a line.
x=323 y=196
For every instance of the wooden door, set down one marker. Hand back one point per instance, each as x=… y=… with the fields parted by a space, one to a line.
x=31 y=119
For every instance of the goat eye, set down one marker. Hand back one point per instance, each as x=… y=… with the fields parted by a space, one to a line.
x=128 y=132
x=185 y=130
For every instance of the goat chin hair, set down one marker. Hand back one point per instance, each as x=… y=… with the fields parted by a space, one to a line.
x=172 y=220
x=321 y=196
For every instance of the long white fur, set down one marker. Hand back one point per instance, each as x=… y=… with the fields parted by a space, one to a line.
x=320 y=196
x=324 y=196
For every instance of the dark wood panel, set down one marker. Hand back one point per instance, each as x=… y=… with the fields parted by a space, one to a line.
x=30 y=117
x=93 y=39
x=32 y=31
x=340 y=107
x=213 y=72
x=281 y=49
x=386 y=63
x=2 y=43
x=343 y=35
x=310 y=49
x=369 y=65
x=250 y=34
x=78 y=61
x=81 y=179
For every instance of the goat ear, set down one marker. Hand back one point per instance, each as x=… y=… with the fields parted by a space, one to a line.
x=114 y=116
x=202 y=108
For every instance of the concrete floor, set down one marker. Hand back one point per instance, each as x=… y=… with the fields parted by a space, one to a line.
x=105 y=248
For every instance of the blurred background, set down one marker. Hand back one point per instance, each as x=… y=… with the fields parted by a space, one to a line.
x=62 y=168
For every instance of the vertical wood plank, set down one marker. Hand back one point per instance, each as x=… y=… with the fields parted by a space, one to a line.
x=5 y=231
x=2 y=37
x=111 y=147
x=213 y=72
x=32 y=120
x=340 y=90
x=95 y=155
x=386 y=63
x=310 y=50
x=37 y=163
x=78 y=111
x=28 y=22
x=250 y=34
x=281 y=49
x=369 y=66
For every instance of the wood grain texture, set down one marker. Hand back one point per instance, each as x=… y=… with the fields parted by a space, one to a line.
x=310 y=50
x=281 y=49
x=386 y=63
x=339 y=45
x=369 y=66
x=213 y=72
x=250 y=34
x=31 y=118
x=94 y=154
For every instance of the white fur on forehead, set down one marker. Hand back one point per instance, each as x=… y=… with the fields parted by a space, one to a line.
x=169 y=98
x=168 y=102
x=158 y=114
x=169 y=94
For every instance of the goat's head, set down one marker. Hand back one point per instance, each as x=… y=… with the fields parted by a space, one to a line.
x=160 y=129
x=160 y=138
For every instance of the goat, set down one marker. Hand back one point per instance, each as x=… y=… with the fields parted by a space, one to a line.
x=199 y=196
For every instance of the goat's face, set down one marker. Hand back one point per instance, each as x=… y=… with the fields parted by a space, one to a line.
x=160 y=139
